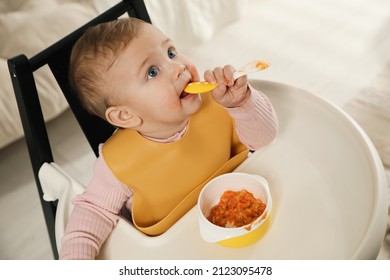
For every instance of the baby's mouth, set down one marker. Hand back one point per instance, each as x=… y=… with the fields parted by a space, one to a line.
x=183 y=94
x=188 y=79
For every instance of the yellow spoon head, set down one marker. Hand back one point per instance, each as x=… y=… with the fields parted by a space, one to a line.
x=199 y=87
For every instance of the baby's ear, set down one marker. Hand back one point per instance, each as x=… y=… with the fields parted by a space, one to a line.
x=123 y=116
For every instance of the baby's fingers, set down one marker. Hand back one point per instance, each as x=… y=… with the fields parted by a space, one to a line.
x=219 y=76
x=241 y=82
x=223 y=76
x=228 y=75
x=210 y=77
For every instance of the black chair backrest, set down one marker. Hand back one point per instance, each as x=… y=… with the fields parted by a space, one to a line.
x=57 y=58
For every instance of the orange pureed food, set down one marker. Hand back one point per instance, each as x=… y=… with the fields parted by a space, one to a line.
x=236 y=209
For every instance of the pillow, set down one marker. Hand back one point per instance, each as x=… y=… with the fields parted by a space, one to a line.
x=29 y=32
x=192 y=21
x=186 y=22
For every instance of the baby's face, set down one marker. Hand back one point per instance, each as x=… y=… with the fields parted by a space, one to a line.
x=150 y=76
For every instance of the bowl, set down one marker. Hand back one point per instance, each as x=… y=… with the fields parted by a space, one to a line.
x=234 y=236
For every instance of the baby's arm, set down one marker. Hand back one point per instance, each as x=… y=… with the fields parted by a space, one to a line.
x=95 y=214
x=256 y=121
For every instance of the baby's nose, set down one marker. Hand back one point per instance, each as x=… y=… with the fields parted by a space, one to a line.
x=180 y=69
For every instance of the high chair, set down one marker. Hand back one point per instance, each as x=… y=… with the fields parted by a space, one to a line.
x=325 y=176
x=57 y=58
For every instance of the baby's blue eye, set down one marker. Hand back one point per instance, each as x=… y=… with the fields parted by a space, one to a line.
x=152 y=72
x=171 y=53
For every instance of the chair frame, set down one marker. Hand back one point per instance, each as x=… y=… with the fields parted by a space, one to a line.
x=57 y=57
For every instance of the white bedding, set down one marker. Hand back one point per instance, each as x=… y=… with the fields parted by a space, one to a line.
x=29 y=26
x=26 y=31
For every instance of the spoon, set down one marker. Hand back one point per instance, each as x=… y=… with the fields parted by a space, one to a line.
x=202 y=87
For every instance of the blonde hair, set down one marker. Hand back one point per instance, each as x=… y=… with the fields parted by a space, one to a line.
x=92 y=56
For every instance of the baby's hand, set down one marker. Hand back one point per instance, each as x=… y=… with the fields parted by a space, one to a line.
x=229 y=93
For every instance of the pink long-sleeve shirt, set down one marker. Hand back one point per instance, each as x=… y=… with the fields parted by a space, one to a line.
x=97 y=210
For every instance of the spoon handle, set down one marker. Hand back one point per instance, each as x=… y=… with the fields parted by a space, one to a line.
x=254 y=66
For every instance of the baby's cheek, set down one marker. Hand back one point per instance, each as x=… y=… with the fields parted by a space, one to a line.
x=173 y=103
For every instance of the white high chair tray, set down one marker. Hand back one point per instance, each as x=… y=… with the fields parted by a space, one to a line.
x=326 y=180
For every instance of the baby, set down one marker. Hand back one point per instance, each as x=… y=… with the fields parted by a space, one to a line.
x=168 y=144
